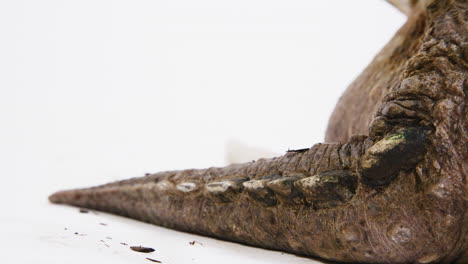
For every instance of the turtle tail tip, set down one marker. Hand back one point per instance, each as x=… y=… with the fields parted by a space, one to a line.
x=64 y=197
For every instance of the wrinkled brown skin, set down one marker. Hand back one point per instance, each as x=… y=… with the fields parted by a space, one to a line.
x=377 y=198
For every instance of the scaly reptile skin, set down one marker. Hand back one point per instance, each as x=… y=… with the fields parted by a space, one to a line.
x=396 y=194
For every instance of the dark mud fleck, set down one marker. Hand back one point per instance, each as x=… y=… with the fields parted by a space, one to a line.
x=142 y=249
x=153 y=260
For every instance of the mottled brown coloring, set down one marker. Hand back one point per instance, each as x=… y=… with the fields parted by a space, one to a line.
x=389 y=186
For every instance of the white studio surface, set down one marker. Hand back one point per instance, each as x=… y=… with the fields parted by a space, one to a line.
x=104 y=90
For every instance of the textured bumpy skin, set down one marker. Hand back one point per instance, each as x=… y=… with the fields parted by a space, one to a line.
x=396 y=194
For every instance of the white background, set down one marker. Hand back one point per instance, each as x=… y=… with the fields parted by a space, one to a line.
x=101 y=90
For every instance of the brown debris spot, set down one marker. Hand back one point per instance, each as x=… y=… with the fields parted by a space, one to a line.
x=142 y=249
x=104 y=243
x=194 y=242
x=84 y=210
x=153 y=260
